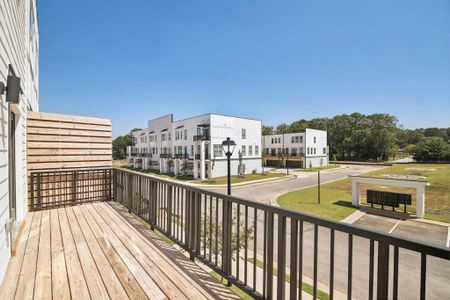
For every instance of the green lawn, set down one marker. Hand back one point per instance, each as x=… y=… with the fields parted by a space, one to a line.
x=305 y=286
x=329 y=167
x=336 y=196
x=238 y=179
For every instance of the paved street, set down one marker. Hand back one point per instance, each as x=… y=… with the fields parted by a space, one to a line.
x=409 y=262
x=269 y=192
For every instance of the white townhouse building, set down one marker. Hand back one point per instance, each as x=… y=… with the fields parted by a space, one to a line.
x=193 y=145
x=19 y=48
x=302 y=150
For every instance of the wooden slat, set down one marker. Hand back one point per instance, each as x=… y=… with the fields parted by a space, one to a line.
x=68 y=158
x=188 y=286
x=67 y=132
x=67 y=138
x=145 y=281
x=127 y=279
x=97 y=289
x=77 y=282
x=25 y=286
x=69 y=165
x=67 y=118
x=74 y=152
x=60 y=281
x=109 y=276
x=165 y=283
x=44 y=270
x=11 y=278
x=72 y=126
x=57 y=145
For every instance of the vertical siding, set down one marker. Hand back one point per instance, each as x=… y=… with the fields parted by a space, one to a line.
x=18 y=50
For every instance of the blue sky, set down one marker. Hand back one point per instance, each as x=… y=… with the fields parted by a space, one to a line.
x=278 y=61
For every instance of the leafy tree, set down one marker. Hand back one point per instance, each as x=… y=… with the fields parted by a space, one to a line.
x=432 y=149
x=267 y=130
x=283 y=128
x=120 y=143
x=186 y=167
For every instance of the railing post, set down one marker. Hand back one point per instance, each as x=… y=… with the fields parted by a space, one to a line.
x=130 y=192
x=32 y=192
x=39 y=204
x=281 y=257
x=74 y=186
x=169 y=210
x=226 y=236
x=114 y=184
x=383 y=271
x=268 y=260
x=198 y=222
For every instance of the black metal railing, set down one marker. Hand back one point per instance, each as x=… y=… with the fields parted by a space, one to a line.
x=202 y=137
x=165 y=155
x=270 y=252
x=198 y=156
x=58 y=188
x=181 y=156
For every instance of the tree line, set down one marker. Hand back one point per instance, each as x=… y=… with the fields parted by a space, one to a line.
x=374 y=137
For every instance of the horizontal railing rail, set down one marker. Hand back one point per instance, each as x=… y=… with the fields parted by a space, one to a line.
x=50 y=189
x=271 y=252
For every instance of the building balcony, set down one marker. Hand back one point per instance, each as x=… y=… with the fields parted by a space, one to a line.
x=165 y=155
x=198 y=156
x=81 y=239
x=202 y=137
x=181 y=156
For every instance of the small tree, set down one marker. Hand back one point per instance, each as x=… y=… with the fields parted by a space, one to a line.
x=321 y=162
x=170 y=165
x=310 y=164
x=335 y=159
x=186 y=167
x=215 y=242
x=240 y=165
x=263 y=159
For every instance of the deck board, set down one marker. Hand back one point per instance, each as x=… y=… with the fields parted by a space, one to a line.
x=92 y=251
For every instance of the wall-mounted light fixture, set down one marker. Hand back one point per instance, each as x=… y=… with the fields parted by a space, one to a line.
x=12 y=87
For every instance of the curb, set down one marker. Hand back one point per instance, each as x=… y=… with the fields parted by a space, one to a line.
x=217 y=186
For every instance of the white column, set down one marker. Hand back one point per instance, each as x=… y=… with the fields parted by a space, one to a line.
x=420 y=202
x=356 y=193
x=202 y=160
x=176 y=164
x=195 y=168
x=161 y=165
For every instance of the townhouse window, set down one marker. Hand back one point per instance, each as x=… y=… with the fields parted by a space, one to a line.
x=292 y=139
x=217 y=148
x=163 y=137
x=294 y=152
x=307 y=150
x=279 y=140
x=180 y=149
x=301 y=150
x=314 y=140
x=272 y=140
x=243 y=150
x=192 y=149
x=185 y=150
x=301 y=139
x=314 y=150
x=169 y=135
x=185 y=134
x=256 y=150
x=244 y=134
x=177 y=134
x=250 y=150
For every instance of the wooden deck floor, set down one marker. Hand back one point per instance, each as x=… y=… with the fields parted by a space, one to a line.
x=96 y=251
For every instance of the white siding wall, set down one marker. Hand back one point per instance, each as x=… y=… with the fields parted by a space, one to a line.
x=320 y=143
x=19 y=48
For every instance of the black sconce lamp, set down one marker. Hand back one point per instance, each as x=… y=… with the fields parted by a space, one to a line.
x=12 y=89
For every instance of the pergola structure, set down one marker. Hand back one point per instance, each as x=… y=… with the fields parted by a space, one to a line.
x=416 y=184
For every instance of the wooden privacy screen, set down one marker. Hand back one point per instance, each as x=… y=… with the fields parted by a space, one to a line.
x=58 y=142
x=68 y=159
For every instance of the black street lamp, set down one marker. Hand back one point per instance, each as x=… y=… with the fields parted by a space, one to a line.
x=228 y=147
